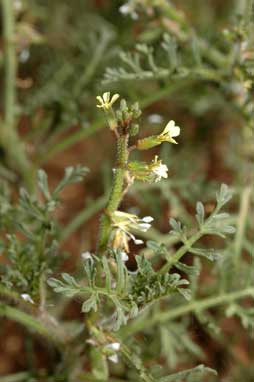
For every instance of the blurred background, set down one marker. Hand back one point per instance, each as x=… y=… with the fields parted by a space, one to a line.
x=190 y=61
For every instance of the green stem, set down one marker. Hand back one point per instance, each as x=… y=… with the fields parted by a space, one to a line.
x=189 y=243
x=131 y=358
x=16 y=155
x=116 y=192
x=242 y=222
x=181 y=252
x=34 y=324
x=199 y=306
x=31 y=323
x=10 y=64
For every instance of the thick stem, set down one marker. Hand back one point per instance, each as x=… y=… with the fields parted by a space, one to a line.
x=116 y=193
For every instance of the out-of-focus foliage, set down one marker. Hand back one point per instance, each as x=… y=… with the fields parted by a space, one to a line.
x=187 y=293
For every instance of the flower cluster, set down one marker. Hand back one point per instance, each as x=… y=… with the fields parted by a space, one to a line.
x=123 y=225
x=123 y=122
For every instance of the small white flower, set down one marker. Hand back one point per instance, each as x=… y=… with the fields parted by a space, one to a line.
x=124 y=223
x=105 y=102
x=159 y=169
x=170 y=131
x=138 y=241
x=147 y=219
x=114 y=346
x=86 y=255
x=144 y=226
x=124 y=9
x=113 y=358
x=27 y=298
x=124 y=256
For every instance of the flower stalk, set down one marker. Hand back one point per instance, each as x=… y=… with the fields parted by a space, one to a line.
x=116 y=193
x=123 y=124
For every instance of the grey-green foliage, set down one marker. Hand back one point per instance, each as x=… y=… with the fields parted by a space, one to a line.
x=86 y=46
x=127 y=291
x=176 y=342
x=176 y=51
x=217 y=223
x=190 y=375
x=246 y=315
x=31 y=242
x=145 y=63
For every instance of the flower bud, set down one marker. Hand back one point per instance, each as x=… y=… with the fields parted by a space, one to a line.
x=133 y=129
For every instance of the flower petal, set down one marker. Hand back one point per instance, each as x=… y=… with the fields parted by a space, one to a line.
x=114 y=98
x=147 y=219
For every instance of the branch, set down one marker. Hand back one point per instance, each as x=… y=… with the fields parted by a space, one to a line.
x=199 y=305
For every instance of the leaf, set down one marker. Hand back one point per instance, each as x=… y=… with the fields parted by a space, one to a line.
x=121 y=274
x=157 y=248
x=190 y=270
x=59 y=287
x=189 y=375
x=69 y=280
x=107 y=273
x=200 y=216
x=144 y=266
x=90 y=304
x=72 y=175
x=43 y=183
x=223 y=196
x=209 y=254
x=177 y=228
x=186 y=293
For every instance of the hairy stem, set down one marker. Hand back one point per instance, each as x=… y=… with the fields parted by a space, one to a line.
x=116 y=192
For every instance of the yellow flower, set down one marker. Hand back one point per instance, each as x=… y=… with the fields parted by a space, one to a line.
x=170 y=131
x=105 y=102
